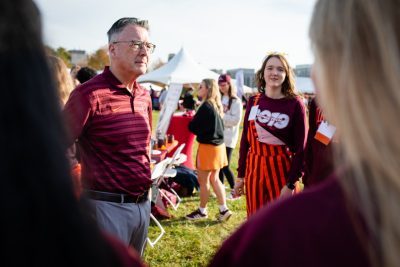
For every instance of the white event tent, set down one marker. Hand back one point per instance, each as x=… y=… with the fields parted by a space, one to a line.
x=182 y=68
x=153 y=86
x=304 y=85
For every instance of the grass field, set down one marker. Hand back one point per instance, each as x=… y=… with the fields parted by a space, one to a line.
x=187 y=243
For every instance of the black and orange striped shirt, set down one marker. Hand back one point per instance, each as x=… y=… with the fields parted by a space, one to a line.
x=113 y=128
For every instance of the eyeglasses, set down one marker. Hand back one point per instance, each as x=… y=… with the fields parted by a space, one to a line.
x=137 y=45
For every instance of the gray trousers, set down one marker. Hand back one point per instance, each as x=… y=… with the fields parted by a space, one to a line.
x=127 y=221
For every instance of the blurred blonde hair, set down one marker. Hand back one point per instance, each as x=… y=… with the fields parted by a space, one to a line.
x=62 y=78
x=213 y=95
x=357 y=61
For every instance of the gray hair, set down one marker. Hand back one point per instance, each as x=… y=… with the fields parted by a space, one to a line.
x=120 y=24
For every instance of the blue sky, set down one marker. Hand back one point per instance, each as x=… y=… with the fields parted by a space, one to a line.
x=221 y=34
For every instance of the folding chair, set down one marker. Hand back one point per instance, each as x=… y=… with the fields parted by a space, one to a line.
x=157 y=171
x=170 y=172
x=160 y=171
x=152 y=243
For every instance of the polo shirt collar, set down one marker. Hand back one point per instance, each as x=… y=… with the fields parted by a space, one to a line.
x=115 y=82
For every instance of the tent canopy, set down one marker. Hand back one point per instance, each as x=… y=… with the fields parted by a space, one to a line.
x=182 y=68
x=153 y=86
x=304 y=85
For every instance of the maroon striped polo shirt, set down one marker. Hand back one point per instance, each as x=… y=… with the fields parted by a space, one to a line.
x=113 y=128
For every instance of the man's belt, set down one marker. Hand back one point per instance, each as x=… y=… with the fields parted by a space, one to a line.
x=117 y=198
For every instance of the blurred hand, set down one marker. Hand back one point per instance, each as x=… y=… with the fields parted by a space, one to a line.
x=239 y=186
x=286 y=192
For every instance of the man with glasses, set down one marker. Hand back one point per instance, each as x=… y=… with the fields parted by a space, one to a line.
x=110 y=116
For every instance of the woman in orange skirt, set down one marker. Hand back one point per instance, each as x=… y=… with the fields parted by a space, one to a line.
x=208 y=126
x=273 y=138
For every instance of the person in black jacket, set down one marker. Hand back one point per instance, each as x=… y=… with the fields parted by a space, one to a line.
x=208 y=126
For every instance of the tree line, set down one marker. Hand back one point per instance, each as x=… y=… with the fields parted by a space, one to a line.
x=96 y=60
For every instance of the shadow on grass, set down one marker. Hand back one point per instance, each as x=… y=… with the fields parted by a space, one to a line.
x=190 y=199
x=183 y=221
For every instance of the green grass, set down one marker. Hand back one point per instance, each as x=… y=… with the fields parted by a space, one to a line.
x=187 y=243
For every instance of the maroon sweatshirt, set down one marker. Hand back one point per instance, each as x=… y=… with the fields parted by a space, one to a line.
x=313 y=228
x=318 y=156
x=293 y=132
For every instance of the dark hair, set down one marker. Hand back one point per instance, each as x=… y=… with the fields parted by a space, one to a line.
x=231 y=93
x=120 y=24
x=188 y=100
x=42 y=220
x=85 y=73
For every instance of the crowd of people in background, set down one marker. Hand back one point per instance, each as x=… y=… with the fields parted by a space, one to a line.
x=86 y=171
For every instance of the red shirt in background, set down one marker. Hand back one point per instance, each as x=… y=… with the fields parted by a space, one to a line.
x=318 y=156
